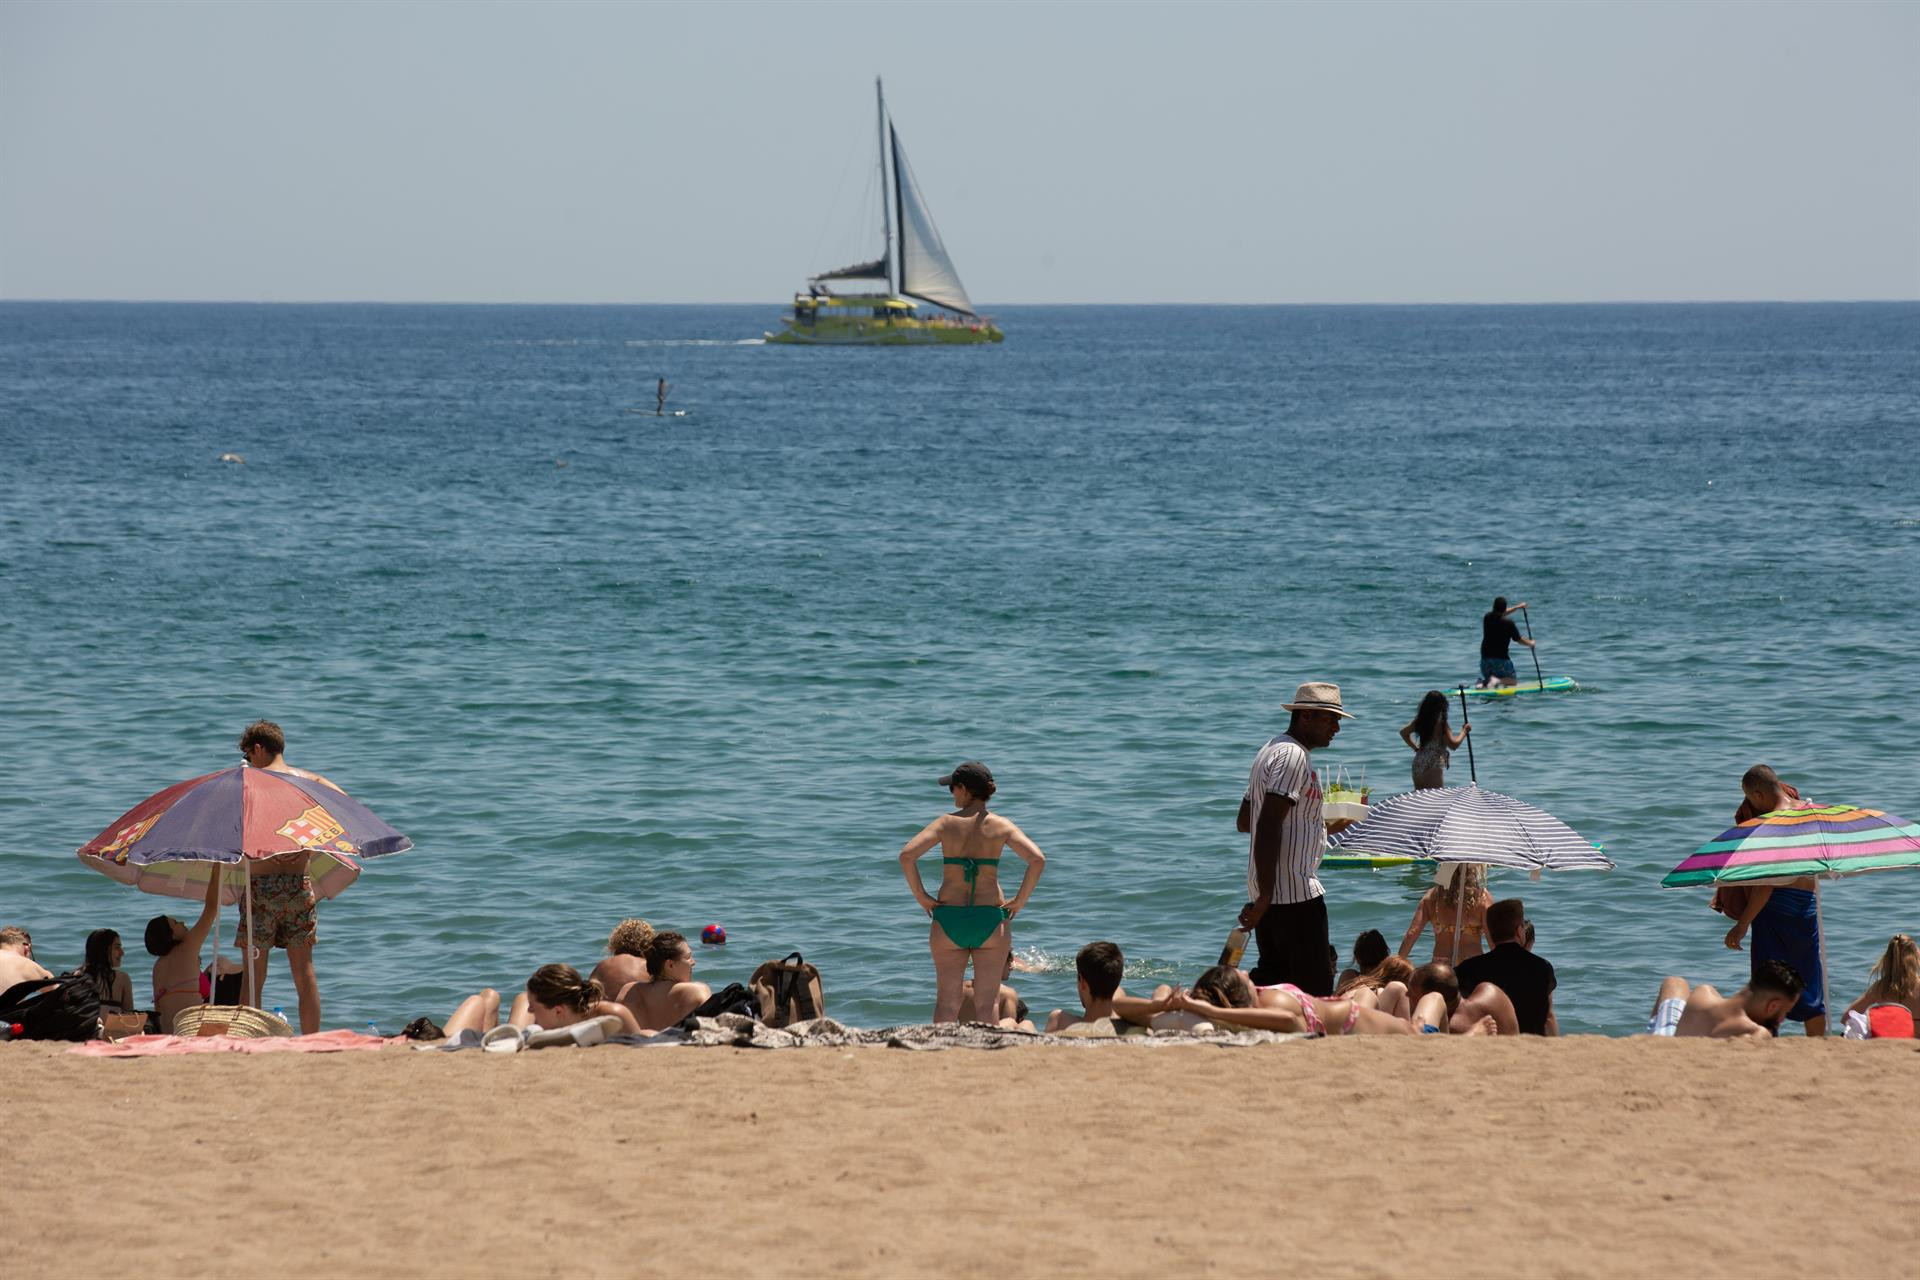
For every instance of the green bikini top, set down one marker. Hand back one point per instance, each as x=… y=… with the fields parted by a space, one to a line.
x=970 y=869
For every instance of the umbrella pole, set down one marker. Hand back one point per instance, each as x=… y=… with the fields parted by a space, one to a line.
x=1466 y=721
x=213 y=970
x=1533 y=649
x=1820 y=939
x=252 y=993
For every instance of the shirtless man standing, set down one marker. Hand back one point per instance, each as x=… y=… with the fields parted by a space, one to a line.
x=1753 y=1012
x=283 y=902
x=971 y=916
x=16 y=958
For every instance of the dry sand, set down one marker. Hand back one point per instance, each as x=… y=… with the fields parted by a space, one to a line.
x=1355 y=1157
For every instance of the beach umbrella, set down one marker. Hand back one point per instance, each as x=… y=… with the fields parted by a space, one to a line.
x=1471 y=824
x=1821 y=841
x=174 y=840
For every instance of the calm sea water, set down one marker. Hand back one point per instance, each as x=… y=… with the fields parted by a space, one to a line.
x=707 y=668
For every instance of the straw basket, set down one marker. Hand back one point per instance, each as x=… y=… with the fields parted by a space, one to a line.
x=228 y=1020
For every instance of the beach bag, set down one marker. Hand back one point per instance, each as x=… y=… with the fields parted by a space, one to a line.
x=788 y=991
x=64 y=1008
x=732 y=998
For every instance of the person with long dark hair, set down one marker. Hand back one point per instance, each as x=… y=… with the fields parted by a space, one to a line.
x=102 y=964
x=1433 y=741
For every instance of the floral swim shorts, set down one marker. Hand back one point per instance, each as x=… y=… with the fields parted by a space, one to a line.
x=282 y=913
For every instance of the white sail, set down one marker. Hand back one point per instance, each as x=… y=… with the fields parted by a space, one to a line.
x=926 y=272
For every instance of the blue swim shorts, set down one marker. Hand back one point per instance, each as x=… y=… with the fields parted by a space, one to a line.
x=1500 y=667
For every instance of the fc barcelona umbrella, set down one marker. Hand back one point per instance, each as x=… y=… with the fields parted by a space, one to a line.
x=174 y=840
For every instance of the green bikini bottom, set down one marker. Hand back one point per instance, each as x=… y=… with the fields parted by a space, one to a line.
x=968 y=927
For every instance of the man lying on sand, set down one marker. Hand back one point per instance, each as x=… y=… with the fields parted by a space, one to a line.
x=1753 y=1012
x=1008 y=1011
x=1485 y=1011
x=1099 y=965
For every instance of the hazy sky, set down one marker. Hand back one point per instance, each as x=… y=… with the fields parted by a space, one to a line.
x=1151 y=152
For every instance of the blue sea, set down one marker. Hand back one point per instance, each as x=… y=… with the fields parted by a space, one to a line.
x=706 y=668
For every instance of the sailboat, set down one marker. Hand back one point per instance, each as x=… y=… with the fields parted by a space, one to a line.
x=913 y=269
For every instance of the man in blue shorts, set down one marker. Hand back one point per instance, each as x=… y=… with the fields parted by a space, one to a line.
x=1497 y=633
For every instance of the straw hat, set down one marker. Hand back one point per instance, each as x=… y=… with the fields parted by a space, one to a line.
x=1317 y=696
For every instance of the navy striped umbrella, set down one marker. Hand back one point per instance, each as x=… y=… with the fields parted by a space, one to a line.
x=1469 y=824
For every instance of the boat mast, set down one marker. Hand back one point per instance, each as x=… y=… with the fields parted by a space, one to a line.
x=886 y=210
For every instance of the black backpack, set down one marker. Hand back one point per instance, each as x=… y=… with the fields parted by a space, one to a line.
x=63 y=1008
x=732 y=998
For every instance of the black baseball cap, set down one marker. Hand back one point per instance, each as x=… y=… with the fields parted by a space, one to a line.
x=972 y=775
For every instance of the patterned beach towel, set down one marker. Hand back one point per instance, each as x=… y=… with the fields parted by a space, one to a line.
x=173 y=1046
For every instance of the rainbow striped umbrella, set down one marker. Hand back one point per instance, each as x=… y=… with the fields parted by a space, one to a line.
x=1824 y=841
x=1828 y=840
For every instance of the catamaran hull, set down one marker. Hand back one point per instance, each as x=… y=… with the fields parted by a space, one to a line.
x=887 y=336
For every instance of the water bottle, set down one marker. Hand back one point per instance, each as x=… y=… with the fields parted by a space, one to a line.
x=279 y=1013
x=371 y=1029
x=1235 y=948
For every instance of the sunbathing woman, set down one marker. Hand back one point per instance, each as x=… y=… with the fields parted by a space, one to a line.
x=1225 y=995
x=1465 y=898
x=670 y=993
x=1433 y=742
x=1383 y=987
x=178 y=984
x=1896 y=980
x=556 y=996
x=971 y=915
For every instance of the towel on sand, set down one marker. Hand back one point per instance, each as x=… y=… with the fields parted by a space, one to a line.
x=170 y=1046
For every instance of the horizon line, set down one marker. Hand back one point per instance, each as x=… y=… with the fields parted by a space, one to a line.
x=416 y=302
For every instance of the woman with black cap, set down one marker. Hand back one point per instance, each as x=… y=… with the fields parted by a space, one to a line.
x=971 y=915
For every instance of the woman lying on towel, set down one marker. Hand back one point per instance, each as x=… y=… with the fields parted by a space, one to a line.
x=556 y=996
x=1385 y=985
x=1225 y=995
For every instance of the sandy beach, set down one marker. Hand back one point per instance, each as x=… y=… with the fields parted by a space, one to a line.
x=1577 y=1157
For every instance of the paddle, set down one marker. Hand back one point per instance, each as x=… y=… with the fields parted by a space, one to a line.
x=1533 y=649
x=1467 y=723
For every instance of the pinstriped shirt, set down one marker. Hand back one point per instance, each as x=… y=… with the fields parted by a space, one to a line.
x=1283 y=768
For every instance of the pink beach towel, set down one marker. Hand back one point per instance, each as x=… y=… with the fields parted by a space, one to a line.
x=171 y=1046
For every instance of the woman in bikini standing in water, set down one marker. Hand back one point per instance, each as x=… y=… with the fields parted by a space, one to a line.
x=971 y=915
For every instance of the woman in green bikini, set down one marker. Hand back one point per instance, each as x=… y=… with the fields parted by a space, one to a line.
x=971 y=915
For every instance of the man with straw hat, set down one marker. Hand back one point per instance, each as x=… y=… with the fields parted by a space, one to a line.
x=1287 y=907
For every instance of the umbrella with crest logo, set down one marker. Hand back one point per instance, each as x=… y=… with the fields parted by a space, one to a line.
x=172 y=842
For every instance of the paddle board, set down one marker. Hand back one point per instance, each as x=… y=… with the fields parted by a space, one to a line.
x=1335 y=861
x=1552 y=684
